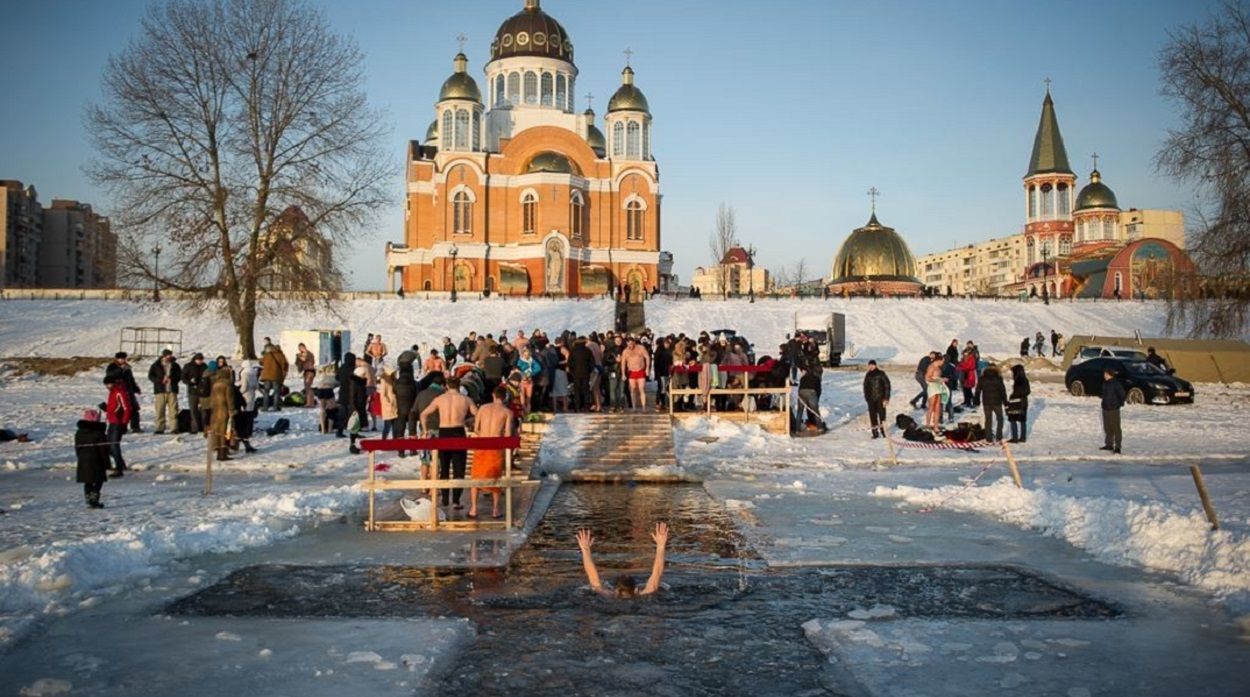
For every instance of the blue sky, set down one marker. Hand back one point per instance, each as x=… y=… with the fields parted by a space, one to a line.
x=787 y=110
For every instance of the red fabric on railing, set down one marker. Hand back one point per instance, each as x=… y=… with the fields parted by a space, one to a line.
x=393 y=444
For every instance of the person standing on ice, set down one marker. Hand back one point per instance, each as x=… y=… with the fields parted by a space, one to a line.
x=1024 y=347
x=191 y=376
x=122 y=373
x=1039 y=345
x=993 y=397
x=1113 y=396
x=1018 y=404
x=922 y=369
x=934 y=389
x=117 y=410
x=877 y=395
x=92 y=448
x=273 y=367
x=165 y=374
x=306 y=364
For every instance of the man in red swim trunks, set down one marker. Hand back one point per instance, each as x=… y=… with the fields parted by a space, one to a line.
x=635 y=363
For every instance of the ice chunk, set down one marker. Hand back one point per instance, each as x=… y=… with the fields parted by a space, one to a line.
x=265 y=653
x=363 y=657
x=229 y=636
x=47 y=687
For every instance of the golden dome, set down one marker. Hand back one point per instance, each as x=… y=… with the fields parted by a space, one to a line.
x=460 y=85
x=874 y=253
x=531 y=32
x=628 y=97
x=431 y=133
x=594 y=136
x=550 y=162
x=1096 y=194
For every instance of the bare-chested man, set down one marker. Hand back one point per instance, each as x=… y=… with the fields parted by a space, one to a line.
x=376 y=350
x=453 y=411
x=635 y=363
x=493 y=420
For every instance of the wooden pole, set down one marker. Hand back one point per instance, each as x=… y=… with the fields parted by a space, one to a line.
x=372 y=480
x=507 y=492
x=893 y=455
x=434 y=492
x=1011 y=463
x=1206 y=498
x=208 y=462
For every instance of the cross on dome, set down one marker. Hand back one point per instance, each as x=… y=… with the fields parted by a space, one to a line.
x=462 y=40
x=1095 y=156
x=629 y=53
x=873 y=193
x=590 y=99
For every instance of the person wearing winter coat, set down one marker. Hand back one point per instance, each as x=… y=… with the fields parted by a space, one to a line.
x=952 y=352
x=224 y=407
x=273 y=367
x=1113 y=398
x=117 y=414
x=248 y=382
x=1024 y=347
x=1018 y=405
x=191 y=377
x=405 y=395
x=993 y=399
x=1039 y=344
x=809 y=394
x=358 y=402
x=346 y=386
x=91 y=445
x=581 y=365
x=968 y=378
x=165 y=374
x=922 y=369
x=306 y=365
x=120 y=369
x=877 y=395
x=530 y=368
x=244 y=421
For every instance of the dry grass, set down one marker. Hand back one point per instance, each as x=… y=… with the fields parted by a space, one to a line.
x=60 y=367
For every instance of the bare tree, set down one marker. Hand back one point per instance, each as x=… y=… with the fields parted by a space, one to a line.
x=781 y=277
x=800 y=271
x=221 y=116
x=1204 y=70
x=724 y=238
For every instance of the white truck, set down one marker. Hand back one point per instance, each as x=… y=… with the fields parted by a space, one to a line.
x=828 y=330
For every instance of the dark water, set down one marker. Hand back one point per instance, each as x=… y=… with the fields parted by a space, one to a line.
x=722 y=625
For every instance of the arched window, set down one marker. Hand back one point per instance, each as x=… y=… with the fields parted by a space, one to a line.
x=477 y=130
x=633 y=141
x=447 y=136
x=561 y=92
x=618 y=139
x=1032 y=201
x=548 y=91
x=646 y=141
x=1048 y=200
x=514 y=89
x=462 y=129
x=577 y=215
x=635 y=224
x=500 y=96
x=1065 y=246
x=1119 y=282
x=1062 y=195
x=462 y=213
x=531 y=87
x=529 y=214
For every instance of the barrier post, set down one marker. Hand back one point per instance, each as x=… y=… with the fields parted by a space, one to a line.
x=1011 y=463
x=1207 y=506
x=208 y=462
x=507 y=492
x=434 y=467
x=893 y=455
x=372 y=491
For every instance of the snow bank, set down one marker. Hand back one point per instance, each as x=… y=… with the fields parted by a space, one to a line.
x=47 y=578
x=1117 y=531
x=882 y=329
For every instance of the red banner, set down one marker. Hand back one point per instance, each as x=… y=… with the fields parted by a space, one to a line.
x=394 y=444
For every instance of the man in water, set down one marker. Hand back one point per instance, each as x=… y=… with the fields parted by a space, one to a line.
x=625 y=586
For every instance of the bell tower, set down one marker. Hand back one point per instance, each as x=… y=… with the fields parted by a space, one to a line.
x=1049 y=189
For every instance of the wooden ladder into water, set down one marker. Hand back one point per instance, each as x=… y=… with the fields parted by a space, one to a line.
x=629 y=447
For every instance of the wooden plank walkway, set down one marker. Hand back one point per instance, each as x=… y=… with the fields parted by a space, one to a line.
x=628 y=447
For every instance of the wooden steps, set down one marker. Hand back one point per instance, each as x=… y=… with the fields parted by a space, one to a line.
x=628 y=447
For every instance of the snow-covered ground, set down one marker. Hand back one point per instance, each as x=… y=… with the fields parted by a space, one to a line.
x=1129 y=526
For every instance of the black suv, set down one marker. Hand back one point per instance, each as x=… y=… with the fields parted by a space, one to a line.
x=1145 y=383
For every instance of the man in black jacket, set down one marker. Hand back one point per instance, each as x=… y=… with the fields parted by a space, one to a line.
x=877 y=394
x=922 y=399
x=405 y=397
x=165 y=375
x=581 y=364
x=993 y=400
x=809 y=395
x=191 y=377
x=120 y=371
x=1113 y=396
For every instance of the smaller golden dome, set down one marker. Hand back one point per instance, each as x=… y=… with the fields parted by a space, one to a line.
x=431 y=133
x=628 y=97
x=1095 y=194
x=594 y=137
x=874 y=253
x=460 y=85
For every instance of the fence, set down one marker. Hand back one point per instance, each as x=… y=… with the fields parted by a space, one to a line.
x=374 y=484
x=781 y=394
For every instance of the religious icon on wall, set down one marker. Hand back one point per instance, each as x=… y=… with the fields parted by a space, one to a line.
x=554 y=267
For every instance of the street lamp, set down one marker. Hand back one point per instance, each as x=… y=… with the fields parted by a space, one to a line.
x=751 y=272
x=1045 y=273
x=454 y=251
x=156 y=275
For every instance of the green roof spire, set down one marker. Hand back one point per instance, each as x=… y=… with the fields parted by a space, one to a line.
x=1049 y=155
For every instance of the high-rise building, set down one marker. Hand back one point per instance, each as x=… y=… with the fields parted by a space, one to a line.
x=78 y=248
x=21 y=227
x=515 y=192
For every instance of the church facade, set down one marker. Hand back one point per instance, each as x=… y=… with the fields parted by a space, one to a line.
x=515 y=192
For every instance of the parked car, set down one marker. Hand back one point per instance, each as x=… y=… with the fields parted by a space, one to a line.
x=1096 y=351
x=1145 y=383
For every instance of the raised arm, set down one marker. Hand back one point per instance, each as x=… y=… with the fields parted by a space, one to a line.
x=657 y=568
x=584 y=541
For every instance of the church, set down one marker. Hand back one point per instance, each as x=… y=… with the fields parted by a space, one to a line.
x=515 y=192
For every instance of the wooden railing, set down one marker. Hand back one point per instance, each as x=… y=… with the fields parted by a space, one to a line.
x=432 y=485
x=745 y=390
